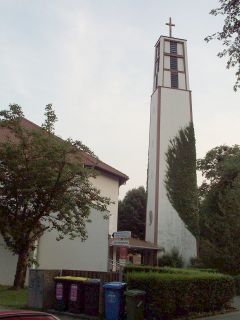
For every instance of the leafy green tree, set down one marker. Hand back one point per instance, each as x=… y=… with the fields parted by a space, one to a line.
x=220 y=208
x=132 y=212
x=229 y=35
x=181 y=180
x=44 y=185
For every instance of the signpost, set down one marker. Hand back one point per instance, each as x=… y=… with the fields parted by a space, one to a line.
x=120 y=243
x=122 y=234
x=121 y=239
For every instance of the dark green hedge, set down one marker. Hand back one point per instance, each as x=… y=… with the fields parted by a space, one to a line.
x=141 y=268
x=172 y=294
x=134 y=268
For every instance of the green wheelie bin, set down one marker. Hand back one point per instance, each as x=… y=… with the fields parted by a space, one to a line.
x=135 y=304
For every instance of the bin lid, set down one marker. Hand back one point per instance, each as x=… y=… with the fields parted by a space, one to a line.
x=114 y=285
x=135 y=293
x=61 y=278
x=92 y=281
x=69 y=278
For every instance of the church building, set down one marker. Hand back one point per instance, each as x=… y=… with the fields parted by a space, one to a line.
x=171 y=110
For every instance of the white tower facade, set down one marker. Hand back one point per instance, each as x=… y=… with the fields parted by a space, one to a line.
x=171 y=110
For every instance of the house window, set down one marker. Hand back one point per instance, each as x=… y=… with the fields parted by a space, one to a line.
x=174 y=80
x=173 y=63
x=173 y=47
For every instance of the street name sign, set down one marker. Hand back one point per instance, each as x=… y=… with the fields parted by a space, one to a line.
x=122 y=234
x=119 y=242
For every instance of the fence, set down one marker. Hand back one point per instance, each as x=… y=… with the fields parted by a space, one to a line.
x=103 y=276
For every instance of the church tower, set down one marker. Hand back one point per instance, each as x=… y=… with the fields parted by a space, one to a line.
x=171 y=110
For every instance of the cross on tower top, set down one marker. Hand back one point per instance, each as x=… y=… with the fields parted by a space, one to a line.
x=170 y=24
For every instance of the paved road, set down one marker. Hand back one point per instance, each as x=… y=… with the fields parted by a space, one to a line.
x=227 y=316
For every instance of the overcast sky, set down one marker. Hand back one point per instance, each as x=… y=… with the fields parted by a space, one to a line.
x=93 y=60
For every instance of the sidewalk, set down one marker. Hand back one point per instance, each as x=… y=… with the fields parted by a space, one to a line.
x=228 y=316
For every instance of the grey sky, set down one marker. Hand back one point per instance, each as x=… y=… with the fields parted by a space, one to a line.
x=94 y=61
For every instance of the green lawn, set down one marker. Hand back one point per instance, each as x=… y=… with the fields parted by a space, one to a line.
x=12 y=299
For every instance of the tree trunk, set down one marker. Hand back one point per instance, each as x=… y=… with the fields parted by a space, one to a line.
x=198 y=248
x=21 y=270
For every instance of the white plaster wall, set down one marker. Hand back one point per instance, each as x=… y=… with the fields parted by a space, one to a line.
x=109 y=187
x=161 y=62
x=167 y=46
x=167 y=62
x=152 y=167
x=175 y=114
x=74 y=254
x=180 y=64
x=180 y=48
x=8 y=263
x=167 y=78
x=181 y=81
x=186 y=66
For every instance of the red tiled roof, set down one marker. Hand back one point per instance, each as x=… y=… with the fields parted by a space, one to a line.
x=87 y=158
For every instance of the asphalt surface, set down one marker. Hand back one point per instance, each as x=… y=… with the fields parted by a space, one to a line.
x=227 y=316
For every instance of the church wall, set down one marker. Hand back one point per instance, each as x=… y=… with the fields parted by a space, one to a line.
x=175 y=114
x=152 y=168
x=186 y=65
x=181 y=81
x=74 y=254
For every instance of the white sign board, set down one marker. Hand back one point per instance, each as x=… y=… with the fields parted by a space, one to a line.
x=122 y=234
x=122 y=262
x=120 y=243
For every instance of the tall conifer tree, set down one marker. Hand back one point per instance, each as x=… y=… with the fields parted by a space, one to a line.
x=181 y=179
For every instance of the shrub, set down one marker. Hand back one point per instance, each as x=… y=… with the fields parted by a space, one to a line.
x=174 y=294
x=196 y=262
x=171 y=259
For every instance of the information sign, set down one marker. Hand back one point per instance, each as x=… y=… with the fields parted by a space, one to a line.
x=120 y=242
x=122 y=234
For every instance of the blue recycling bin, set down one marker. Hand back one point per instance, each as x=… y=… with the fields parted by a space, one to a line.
x=114 y=300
